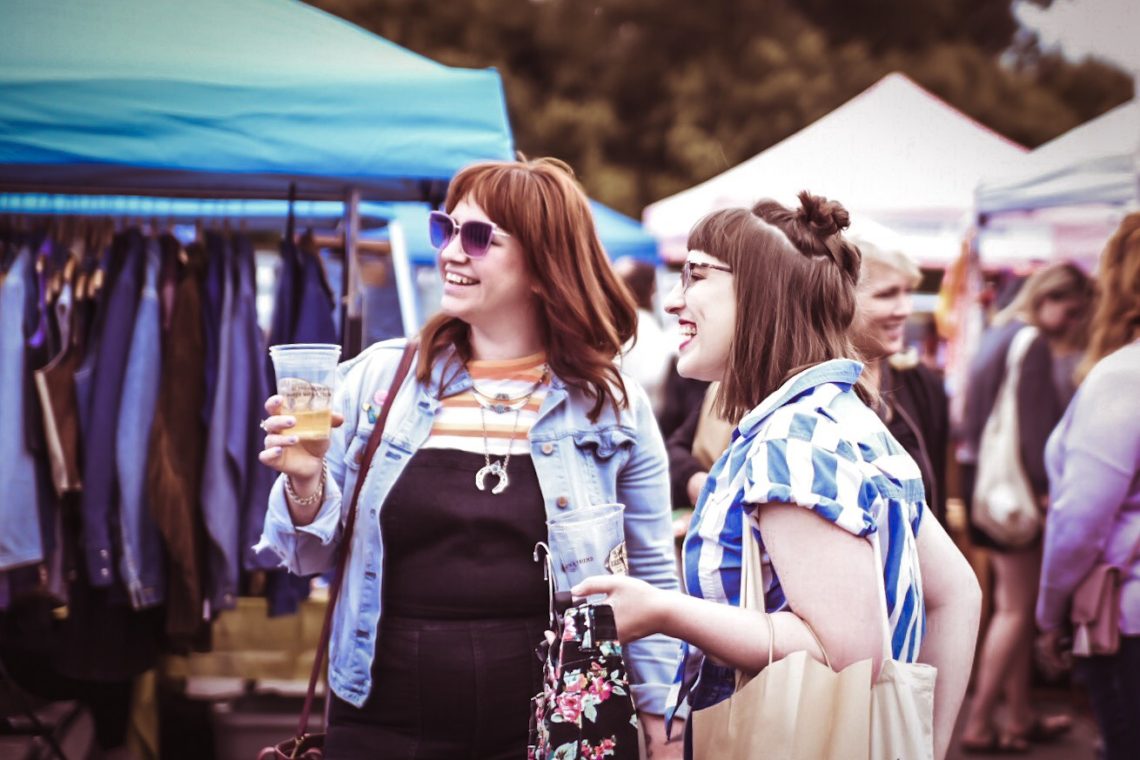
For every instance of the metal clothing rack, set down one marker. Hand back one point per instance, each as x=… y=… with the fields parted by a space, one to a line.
x=251 y=212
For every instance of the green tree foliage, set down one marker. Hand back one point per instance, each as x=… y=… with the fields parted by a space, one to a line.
x=647 y=97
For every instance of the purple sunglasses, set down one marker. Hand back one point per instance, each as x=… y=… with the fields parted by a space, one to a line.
x=474 y=235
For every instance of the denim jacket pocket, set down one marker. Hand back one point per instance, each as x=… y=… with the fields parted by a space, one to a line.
x=608 y=448
x=606 y=442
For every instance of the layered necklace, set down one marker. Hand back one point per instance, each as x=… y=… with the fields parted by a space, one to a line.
x=501 y=403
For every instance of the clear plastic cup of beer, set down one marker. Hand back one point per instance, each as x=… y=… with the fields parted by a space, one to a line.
x=306 y=379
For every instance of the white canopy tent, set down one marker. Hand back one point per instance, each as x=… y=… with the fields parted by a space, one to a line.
x=895 y=153
x=1095 y=163
x=1069 y=193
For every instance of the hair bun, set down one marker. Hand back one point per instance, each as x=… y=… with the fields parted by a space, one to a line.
x=823 y=217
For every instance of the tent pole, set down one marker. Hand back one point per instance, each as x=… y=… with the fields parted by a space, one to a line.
x=352 y=324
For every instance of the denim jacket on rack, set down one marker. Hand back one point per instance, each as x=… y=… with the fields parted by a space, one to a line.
x=141 y=560
x=20 y=539
x=221 y=485
x=100 y=490
x=579 y=463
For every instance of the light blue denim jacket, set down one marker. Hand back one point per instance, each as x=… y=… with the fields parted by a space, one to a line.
x=620 y=458
x=20 y=539
x=141 y=561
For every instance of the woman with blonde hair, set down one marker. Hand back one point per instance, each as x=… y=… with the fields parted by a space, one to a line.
x=516 y=414
x=1093 y=458
x=1054 y=302
x=910 y=396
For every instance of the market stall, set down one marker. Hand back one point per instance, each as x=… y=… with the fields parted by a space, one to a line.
x=208 y=100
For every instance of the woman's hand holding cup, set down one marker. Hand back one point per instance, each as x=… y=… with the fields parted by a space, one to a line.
x=301 y=460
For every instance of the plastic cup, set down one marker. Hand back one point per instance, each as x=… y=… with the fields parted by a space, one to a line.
x=306 y=379
x=589 y=542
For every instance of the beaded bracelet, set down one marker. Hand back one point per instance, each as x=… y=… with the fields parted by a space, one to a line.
x=316 y=497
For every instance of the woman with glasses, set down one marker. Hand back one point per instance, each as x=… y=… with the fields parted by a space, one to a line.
x=766 y=301
x=515 y=415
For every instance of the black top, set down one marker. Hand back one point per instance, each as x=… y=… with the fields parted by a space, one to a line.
x=455 y=552
x=915 y=409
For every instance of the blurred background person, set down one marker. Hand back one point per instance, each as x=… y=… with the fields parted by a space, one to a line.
x=1054 y=299
x=646 y=358
x=912 y=400
x=1093 y=458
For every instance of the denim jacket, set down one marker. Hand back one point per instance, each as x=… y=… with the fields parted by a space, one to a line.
x=620 y=458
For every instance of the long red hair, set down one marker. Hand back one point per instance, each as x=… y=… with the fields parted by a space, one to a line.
x=585 y=311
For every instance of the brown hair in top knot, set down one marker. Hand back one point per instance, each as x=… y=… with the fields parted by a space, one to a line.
x=823 y=217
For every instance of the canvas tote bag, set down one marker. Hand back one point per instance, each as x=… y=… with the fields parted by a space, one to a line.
x=798 y=708
x=1004 y=506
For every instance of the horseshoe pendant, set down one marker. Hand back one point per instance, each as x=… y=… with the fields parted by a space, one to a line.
x=495 y=468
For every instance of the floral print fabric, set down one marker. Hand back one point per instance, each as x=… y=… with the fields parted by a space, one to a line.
x=585 y=709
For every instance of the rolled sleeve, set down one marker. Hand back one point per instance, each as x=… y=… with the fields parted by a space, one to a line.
x=653 y=663
x=813 y=467
x=306 y=549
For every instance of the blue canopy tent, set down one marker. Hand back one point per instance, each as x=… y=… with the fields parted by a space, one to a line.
x=216 y=98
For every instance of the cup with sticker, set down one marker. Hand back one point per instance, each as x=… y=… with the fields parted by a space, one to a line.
x=589 y=541
x=306 y=379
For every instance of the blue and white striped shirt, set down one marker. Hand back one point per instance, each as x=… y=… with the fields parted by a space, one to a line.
x=815 y=444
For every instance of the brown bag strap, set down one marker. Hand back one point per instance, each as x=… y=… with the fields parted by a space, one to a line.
x=334 y=589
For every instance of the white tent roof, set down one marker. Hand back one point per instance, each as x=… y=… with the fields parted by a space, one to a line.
x=894 y=152
x=1095 y=163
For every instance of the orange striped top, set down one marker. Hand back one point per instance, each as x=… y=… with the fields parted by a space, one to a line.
x=460 y=418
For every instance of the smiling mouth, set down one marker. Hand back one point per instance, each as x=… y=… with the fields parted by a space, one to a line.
x=688 y=331
x=458 y=279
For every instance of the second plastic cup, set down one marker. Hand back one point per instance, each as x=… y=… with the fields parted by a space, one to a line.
x=306 y=379
x=589 y=542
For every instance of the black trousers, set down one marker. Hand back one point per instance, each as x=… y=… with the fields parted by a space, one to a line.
x=444 y=689
x=1113 y=684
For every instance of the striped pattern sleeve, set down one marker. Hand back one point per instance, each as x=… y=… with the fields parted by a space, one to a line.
x=802 y=459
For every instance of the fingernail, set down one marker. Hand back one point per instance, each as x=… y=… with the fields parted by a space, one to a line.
x=276 y=451
x=290 y=421
x=292 y=439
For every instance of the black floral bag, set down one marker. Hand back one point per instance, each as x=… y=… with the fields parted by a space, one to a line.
x=585 y=709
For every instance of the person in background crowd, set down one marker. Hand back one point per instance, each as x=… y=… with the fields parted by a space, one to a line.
x=648 y=357
x=1055 y=300
x=911 y=398
x=694 y=448
x=1093 y=458
x=683 y=397
x=433 y=647
x=766 y=301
